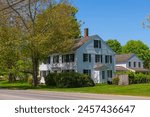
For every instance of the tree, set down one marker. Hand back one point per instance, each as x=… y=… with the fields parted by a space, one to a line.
x=9 y=49
x=44 y=31
x=139 y=48
x=115 y=45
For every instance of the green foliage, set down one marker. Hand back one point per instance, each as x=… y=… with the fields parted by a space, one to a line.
x=30 y=80
x=115 y=81
x=68 y=80
x=115 y=45
x=139 y=48
x=138 y=78
x=50 y=79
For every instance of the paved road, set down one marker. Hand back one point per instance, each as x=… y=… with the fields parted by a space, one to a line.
x=46 y=95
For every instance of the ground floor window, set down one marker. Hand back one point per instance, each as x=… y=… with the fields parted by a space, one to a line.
x=87 y=71
x=103 y=74
x=109 y=73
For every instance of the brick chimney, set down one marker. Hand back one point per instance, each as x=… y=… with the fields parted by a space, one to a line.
x=86 y=32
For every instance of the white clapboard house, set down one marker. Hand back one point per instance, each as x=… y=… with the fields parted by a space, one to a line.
x=90 y=55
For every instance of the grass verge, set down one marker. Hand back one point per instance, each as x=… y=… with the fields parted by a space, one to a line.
x=135 y=90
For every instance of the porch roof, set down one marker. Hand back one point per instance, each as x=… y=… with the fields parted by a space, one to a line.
x=100 y=66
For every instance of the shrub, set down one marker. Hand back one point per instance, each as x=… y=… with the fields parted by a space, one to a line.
x=68 y=80
x=50 y=79
x=138 y=78
x=30 y=80
x=115 y=81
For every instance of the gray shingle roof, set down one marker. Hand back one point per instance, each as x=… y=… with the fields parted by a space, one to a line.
x=121 y=58
x=81 y=41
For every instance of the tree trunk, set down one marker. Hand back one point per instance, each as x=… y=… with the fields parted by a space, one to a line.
x=35 y=71
x=11 y=77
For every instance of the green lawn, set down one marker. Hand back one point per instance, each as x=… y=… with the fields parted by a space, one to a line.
x=136 y=89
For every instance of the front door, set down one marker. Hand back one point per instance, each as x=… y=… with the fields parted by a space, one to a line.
x=97 y=76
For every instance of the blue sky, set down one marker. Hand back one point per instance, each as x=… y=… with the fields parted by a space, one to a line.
x=115 y=19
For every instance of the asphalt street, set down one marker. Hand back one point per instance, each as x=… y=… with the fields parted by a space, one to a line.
x=47 y=95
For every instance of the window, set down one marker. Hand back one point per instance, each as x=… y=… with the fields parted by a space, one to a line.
x=97 y=44
x=134 y=64
x=129 y=64
x=139 y=64
x=108 y=59
x=86 y=57
x=68 y=58
x=56 y=59
x=103 y=74
x=87 y=71
x=49 y=60
x=98 y=58
x=109 y=73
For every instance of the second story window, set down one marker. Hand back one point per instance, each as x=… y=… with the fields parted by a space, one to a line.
x=98 y=58
x=49 y=60
x=108 y=59
x=68 y=58
x=86 y=57
x=97 y=43
x=134 y=64
x=56 y=59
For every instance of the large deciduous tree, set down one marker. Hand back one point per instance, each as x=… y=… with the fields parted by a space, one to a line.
x=114 y=45
x=46 y=27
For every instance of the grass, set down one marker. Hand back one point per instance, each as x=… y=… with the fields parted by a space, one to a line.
x=135 y=90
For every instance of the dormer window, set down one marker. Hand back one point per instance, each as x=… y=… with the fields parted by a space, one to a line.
x=97 y=44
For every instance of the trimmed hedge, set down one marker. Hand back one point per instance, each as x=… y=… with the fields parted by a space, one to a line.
x=68 y=80
x=138 y=78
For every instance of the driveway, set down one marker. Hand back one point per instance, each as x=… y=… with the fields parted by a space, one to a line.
x=47 y=95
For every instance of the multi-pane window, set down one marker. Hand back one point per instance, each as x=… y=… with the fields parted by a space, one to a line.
x=97 y=43
x=108 y=59
x=68 y=58
x=109 y=73
x=134 y=64
x=139 y=64
x=47 y=60
x=56 y=59
x=129 y=64
x=87 y=71
x=86 y=57
x=98 y=58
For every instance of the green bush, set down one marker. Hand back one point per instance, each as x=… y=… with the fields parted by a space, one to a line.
x=50 y=79
x=115 y=81
x=68 y=80
x=30 y=80
x=138 y=78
